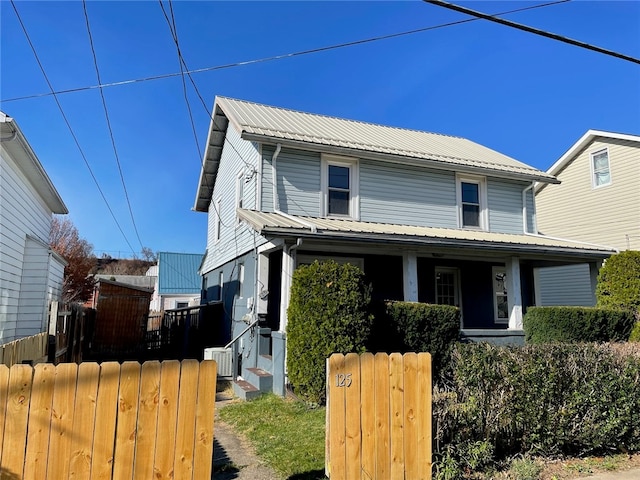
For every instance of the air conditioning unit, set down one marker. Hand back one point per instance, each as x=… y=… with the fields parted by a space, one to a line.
x=223 y=358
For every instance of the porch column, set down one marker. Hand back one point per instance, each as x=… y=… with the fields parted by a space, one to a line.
x=410 y=276
x=262 y=284
x=288 y=265
x=514 y=293
x=594 y=269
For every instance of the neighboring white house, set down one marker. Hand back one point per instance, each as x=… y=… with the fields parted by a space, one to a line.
x=31 y=274
x=597 y=201
x=428 y=217
x=178 y=283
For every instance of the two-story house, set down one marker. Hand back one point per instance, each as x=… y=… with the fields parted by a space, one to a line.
x=598 y=201
x=428 y=217
x=31 y=274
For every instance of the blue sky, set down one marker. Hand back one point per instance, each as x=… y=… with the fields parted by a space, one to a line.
x=523 y=95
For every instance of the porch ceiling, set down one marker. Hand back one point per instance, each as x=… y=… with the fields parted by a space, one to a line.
x=274 y=224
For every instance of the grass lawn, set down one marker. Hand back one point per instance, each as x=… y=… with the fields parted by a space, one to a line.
x=287 y=434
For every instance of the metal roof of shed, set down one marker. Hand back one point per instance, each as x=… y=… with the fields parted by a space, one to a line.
x=178 y=273
x=267 y=124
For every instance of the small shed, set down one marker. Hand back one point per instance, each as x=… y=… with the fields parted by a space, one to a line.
x=122 y=312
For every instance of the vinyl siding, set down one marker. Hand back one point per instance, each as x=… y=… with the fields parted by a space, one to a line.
x=235 y=238
x=531 y=212
x=504 y=200
x=567 y=285
x=32 y=304
x=22 y=213
x=406 y=195
x=298 y=182
x=603 y=215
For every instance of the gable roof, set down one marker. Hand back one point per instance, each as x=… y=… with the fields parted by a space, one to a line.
x=583 y=142
x=178 y=273
x=272 y=125
x=334 y=229
x=15 y=143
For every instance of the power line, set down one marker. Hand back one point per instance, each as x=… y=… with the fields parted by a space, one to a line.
x=106 y=114
x=280 y=57
x=533 y=30
x=64 y=116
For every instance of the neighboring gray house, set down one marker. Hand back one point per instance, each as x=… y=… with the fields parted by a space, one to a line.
x=428 y=217
x=31 y=274
x=178 y=283
x=598 y=202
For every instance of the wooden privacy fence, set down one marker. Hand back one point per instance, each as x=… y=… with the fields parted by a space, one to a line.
x=33 y=348
x=107 y=421
x=378 y=416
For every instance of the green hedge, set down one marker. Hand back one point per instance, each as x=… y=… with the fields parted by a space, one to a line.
x=635 y=333
x=328 y=313
x=619 y=281
x=577 y=324
x=418 y=327
x=540 y=399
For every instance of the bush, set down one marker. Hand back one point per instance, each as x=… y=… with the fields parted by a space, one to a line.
x=328 y=313
x=542 y=399
x=635 y=333
x=577 y=324
x=418 y=327
x=619 y=281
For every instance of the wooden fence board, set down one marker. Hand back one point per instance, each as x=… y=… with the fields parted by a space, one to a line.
x=353 y=435
x=84 y=416
x=336 y=405
x=128 y=400
x=167 y=418
x=147 y=420
x=203 y=449
x=106 y=410
x=18 y=398
x=62 y=420
x=183 y=464
x=396 y=381
x=383 y=430
x=368 y=400
x=411 y=388
x=39 y=425
x=424 y=421
x=4 y=392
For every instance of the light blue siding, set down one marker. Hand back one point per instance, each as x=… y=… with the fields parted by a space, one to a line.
x=567 y=285
x=392 y=193
x=505 y=205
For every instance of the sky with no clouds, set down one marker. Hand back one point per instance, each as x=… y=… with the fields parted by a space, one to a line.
x=526 y=96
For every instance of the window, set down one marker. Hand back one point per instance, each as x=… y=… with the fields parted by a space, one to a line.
x=182 y=304
x=217 y=227
x=339 y=184
x=471 y=195
x=500 y=302
x=447 y=286
x=239 y=194
x=600 y=168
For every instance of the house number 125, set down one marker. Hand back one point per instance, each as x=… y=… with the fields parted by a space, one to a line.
x=343 y=380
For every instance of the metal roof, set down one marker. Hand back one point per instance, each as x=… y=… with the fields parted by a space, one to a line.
x=263 y=123
x=143 y=281
x=178 y=273
x=345 y=229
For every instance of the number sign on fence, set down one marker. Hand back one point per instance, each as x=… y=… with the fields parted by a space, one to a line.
x=107 y=421
x=378 y=416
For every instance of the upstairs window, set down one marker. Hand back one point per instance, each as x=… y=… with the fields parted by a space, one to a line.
x=471 y=194
x=600 y=168
x=339 y=182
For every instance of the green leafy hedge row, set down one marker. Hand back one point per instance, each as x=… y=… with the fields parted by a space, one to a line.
x=541 y=399
x=577 y=324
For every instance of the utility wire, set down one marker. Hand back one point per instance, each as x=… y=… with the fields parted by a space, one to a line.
x=281 y=57
x=66 y=120
x=106 y=114
x=533 y=30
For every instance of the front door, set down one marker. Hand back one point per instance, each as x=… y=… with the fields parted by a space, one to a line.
x=447 y=286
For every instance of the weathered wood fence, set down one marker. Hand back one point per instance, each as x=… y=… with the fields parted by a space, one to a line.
x=378 y=416
x=107 y=421
x=33 y=348
x=68 y=326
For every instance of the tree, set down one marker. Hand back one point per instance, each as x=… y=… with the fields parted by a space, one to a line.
x=619 y=281
x=65 y=240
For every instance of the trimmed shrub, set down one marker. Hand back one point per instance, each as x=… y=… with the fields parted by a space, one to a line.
x=328 y=313
x=419 y=327
x=577 y=324
x=619 y=281
x=635 y=333
x=548 y=399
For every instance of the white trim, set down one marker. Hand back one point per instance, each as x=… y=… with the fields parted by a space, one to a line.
x=239 y=194
x=457 y=294
x=592 y=167
x=514 y=293
x=495 y=271
x=410 y=276
x=221 y=285
x=354 y=180
x=217 y=226
x=241 y=284
x=482 y=198
x=258 y=200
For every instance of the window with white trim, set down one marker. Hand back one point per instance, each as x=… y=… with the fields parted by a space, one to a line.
x=217 y=226
x=182 y=304
x=600 y=168
x=471 y=195
x=339 y=184
x=447 y=286
x=500 y=299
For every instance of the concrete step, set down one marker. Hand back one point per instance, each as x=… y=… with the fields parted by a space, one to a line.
x=265 y=362
x=262 y=379
x=244 y=390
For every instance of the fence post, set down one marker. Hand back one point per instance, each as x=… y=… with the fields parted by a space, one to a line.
x=53 y=323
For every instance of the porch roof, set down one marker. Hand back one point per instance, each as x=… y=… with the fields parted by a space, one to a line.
x=275 y=224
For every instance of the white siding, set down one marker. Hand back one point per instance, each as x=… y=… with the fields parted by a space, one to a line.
x=22 y=213
x=567 y=285
x=505 y=205
x=32 y=303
